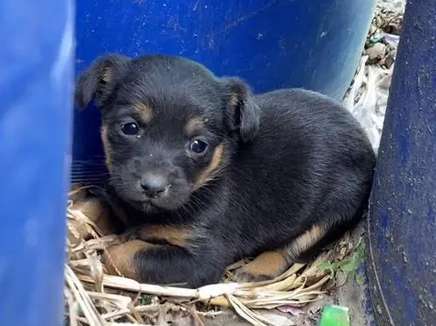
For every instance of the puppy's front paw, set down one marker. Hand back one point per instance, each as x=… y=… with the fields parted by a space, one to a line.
x=120 y=259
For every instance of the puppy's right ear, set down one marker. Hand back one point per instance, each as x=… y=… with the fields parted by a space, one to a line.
x=98 y=82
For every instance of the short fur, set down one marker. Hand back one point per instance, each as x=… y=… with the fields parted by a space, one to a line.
x=285 y=169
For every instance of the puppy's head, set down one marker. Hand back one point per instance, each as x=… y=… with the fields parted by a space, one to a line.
x=169 y=125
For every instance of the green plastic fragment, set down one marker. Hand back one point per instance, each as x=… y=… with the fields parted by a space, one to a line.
x=334 y=316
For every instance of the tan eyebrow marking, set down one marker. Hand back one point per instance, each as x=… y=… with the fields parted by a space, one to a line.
x=193 y=125
x=144 y=111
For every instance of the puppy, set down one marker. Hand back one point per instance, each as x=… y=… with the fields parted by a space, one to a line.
x=208 y=173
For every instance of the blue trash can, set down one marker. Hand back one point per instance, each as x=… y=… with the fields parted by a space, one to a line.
x=402 y=221
x=271 y=44
x=36 y=82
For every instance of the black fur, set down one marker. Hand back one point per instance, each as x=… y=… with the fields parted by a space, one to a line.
x=292 y=159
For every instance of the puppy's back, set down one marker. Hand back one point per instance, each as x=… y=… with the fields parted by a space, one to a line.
x=317 y=123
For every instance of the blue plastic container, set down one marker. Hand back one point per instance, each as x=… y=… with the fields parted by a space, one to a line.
x=313 y=44
x=402 y=223
x=35 y=138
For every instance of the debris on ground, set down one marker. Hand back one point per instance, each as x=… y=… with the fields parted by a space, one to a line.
x=367 y=96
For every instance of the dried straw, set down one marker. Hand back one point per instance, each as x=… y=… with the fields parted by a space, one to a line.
x=95 y=298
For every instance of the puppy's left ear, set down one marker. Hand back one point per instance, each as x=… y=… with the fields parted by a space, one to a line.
x=98 y=82
x=242 y=113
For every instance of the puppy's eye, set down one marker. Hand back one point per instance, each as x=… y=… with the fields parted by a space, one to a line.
x=198 y=146
x=130 y=129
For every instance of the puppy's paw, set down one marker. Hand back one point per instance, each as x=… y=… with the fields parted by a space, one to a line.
x=120 y=259
x=266 y=266
x=243 y=275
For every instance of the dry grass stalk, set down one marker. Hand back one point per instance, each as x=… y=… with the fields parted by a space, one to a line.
x=81 y=296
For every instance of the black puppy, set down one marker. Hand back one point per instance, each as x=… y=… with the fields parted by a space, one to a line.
x=209 y=173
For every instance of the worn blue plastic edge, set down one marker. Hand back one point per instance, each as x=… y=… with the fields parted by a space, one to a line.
x=402 y=223
x=36 y=64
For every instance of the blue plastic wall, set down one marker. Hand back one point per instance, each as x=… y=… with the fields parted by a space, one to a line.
x=36 y=73
x=313 y=44
x=402 y=222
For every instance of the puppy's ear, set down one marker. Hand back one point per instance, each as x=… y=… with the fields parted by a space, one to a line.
x=98 y=82
x=242 y=113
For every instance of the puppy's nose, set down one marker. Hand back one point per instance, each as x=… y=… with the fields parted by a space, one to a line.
x=154 y=185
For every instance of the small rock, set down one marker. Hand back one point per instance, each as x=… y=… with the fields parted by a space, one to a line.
x=377 y=51
x=389 y=61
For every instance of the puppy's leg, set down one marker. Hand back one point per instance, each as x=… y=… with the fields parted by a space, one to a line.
x=176 y=235
x=271 y=264
x=171 y=257
x=120 y=259
x=305 y=242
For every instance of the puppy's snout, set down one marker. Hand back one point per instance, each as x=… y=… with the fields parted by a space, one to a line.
x=154 y=185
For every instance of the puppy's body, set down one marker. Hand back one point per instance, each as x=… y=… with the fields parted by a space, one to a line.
x=307 y=166
x=285 y=169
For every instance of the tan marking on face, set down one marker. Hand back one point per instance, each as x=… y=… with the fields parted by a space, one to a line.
x=210 y=171
x=174 y=235
x=306 y=240
x=144 y=111
x=194 y=125
x=106 y=147
x=267 y=265
x=120 y=259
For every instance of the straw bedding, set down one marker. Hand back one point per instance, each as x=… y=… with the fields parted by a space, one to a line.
x=95 y=298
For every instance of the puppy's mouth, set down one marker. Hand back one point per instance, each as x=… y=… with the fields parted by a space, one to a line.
x=153 y=205
x=174 y=198
x=147 y=205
